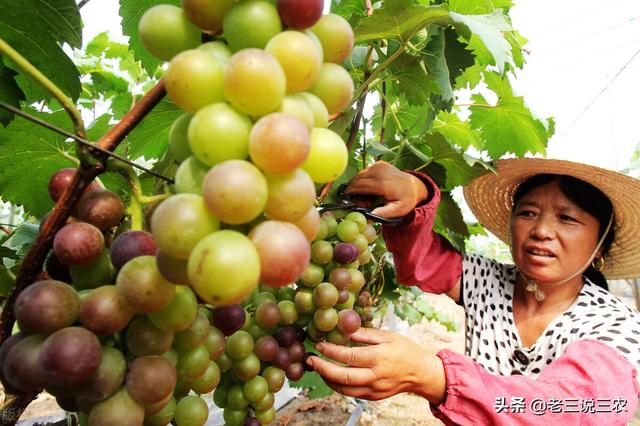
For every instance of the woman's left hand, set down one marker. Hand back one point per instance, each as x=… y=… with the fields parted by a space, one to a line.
x=389 y=365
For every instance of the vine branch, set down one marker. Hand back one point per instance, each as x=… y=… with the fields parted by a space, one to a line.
x=32 y=263
x=55 y=91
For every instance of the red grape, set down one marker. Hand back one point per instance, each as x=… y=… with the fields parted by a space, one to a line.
x=300 y=14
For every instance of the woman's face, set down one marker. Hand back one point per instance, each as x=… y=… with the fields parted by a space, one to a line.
x=551 y=237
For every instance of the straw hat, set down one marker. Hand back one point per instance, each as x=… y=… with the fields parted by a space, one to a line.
x=490 y=198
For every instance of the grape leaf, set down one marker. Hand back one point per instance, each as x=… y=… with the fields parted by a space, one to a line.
x=478 y=7
x=488 y=31
x=509 y=126
x=351 y=10
x=131 y=11
x=398 y=19
x=413 y=80
x=107 y=81
x=314 y=383
x=459 y=58
x=450 y=223
x=470 y=77
x=102 y=45
x=455 y=131
x=23 y=237
x=6 y=281
x=149 y=139
x=29 y=155
x=34 y=29
x=459 y=171
x=8 y=253
x=436 y=64
x=10 y=93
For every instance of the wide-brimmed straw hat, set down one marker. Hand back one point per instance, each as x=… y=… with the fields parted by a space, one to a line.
x=490 y=198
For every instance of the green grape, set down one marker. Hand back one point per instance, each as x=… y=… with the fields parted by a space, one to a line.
x=256 y=389
x=328 y=156
x=224 y=268
x=172 y=356
x=265 y=417
x=263 y=297
x=180 y=222
x=218 y=49
x=162 y=417
x=215 y=343
x=370 y=233
x=361 y=242
x=314 y=333
x=268 y=289
x=265 y=403
x=334 y=87
x=239 y=345
x=318 y=108
x=178 y=140
x=235 y=191
x=304 y=301
x=313 y=275
x=224 y=362
x=181 y=311
x=254 y=82
x=118 y=409
x=194 y=79
x=192 y=363
x=236 y=398
x=207 y=15
x=323 y=231
x=331 y=223
x=247 y=367
x=208 y=381
x=325 y=319
x=296 y=106
x=256 y=331
x=358 y=218
x=190 y=175
x=195 y=335
x=234 y=417
x=357 y=281
x=286 y=293
x=275 y=378
x=191 y=410
x=321 y=252
x=141 y=287
x=347 y=231
x=267 y=315
x=337 y=338
x=288 y=312
x=165 y=31
x=336 y=36
x=325 y=295
x=144 y=338
x=364 y=257
x=251 y=23
x=218 y=132
x=299 y=56
x=291 y=195
x=220 y=396
x=100 y=272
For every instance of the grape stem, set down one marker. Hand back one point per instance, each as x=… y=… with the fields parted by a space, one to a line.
x=32 y=263
x=47 y=84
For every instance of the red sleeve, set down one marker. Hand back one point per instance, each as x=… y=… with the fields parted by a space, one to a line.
x=590 y=384
x=421 y=257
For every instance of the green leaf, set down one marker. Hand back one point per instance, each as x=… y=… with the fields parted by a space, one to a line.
x=399 y=19
x=459 y=170
x=106 y=81
x=98 y=127
x=509 y=126
x=34 y=29
x=101 y=44
x=23 y=237
x=516 y=41
x=488 y=29
x=436 y=63
x=450 y=223
x=351 y=10
x=6 y=281
x=10 y=93
x=478 y=7
x=376 y=148
x=29 y=155
x=455 y=131
x=121 y=104
x=131 y=11
x=459 y=58
x=149 y=139
x=470 y=77
x=408 y=313
x=413 y=81
x=8 y=253
x=314 y=383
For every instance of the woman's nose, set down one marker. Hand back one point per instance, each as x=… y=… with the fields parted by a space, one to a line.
x=544 y=227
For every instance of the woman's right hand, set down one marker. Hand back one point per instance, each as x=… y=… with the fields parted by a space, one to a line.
x=401 y=191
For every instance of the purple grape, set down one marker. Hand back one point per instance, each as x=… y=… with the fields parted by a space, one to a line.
x=266 y=348
x=78 y=243
x=295 y=371
x=282 y=359
x=296 y=352
x=228 y=319
x=345 y=253
x=286 y=336
x=301 y=334
x=131 y=244
x=251 y=421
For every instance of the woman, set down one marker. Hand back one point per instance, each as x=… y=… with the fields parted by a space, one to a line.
x=544 y=340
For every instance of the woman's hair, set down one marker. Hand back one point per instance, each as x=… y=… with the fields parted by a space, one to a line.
x=588 y=198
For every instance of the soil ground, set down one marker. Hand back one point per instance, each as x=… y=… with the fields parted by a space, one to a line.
x=400 y=410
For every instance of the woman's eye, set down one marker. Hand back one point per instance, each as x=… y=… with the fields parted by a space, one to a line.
x=567 y=218
x=525 y=213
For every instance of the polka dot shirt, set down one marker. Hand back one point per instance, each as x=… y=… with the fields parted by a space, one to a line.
x=492 y=338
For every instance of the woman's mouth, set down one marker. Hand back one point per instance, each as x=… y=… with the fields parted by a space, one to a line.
x=540 y=252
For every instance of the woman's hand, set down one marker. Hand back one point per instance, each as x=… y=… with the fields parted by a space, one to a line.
x=401 y=191
x=390 y=365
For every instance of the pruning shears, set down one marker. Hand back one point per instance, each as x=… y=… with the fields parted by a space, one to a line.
x=347 y=204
